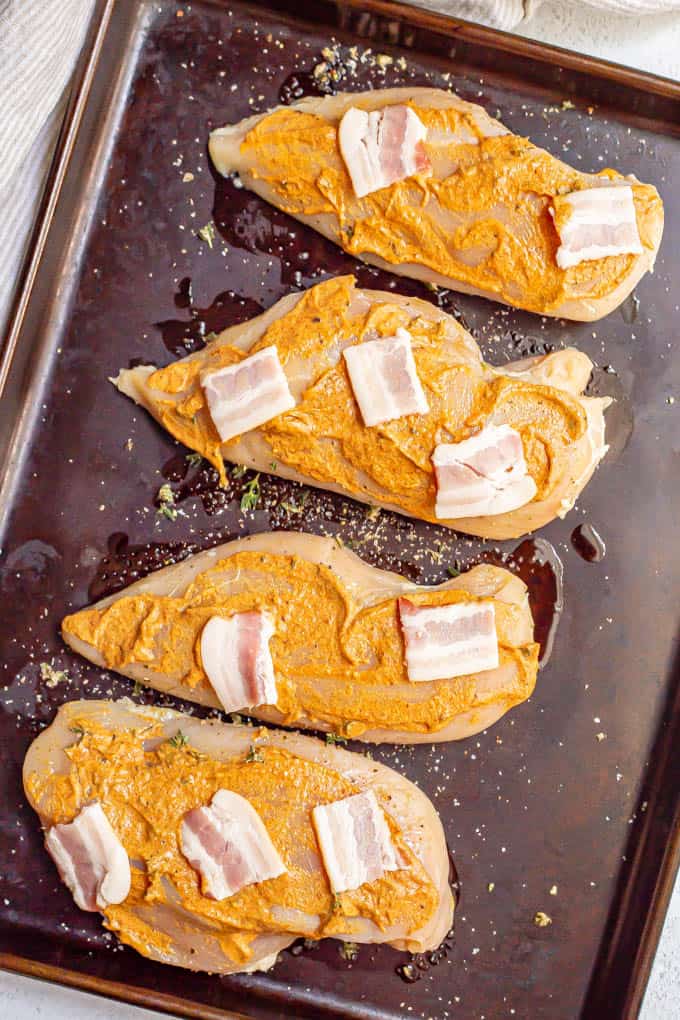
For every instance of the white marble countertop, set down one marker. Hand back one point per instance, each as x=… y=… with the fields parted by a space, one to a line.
x=649 y=43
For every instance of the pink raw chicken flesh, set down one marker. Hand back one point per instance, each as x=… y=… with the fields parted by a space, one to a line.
x=244 y=396
x=599 y=222
x=384 y=378
x=91 y=859
x=237 y=661
x=355 y=841
x=448 y=641
x=228 y=845
x=485 y=475
x=382 y=147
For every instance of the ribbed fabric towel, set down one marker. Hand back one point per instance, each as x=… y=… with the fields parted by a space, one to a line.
x=39 y=44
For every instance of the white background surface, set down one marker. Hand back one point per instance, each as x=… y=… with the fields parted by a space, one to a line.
x=650 y=43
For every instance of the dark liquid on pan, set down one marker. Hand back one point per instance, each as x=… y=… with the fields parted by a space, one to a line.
x=536 y=561
x=588 y=543
x=183 y=337
x=124 y=563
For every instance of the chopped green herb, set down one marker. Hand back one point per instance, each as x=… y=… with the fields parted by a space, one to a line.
x=79 y=731
x=194 y=459
x=335 y=738
x=166 y=503
x=273 y=465
x=207 y=233
x=348 y=951
x=292 y=508
x=238 y=471
x=52 y=676
x=179 y=740
x=432 y=286
x=168 y=511
x=137 y=689
x=251 y=494
x=254 y=754
x=453 y=572
x=336 y=903
x=372 y=512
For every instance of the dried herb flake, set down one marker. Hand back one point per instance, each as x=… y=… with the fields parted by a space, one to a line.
x=166 y=503
x=179 y=740
x=208 y=233
x=335 y=738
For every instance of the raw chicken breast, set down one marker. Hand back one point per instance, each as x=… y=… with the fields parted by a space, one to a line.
x=474 y=214
x=338 y=649
x=324 y=440
x=178 y=763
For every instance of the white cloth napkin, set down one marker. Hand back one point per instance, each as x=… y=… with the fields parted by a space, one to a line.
x=39 y=44
x=507 y=14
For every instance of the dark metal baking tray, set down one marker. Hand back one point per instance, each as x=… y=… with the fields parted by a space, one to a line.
x=119 y=274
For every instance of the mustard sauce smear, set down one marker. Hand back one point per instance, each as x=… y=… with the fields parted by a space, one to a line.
x=145 y=787
x=480 y=218
x=335 y=661
x=324 y=437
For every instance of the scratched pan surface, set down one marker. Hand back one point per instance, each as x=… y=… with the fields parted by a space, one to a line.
x=567 y=806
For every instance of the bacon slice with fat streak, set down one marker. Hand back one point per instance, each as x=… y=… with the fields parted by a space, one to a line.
x=227 y=843
x=244 y=396
x=354 y=840
x=594 y=224
x=90 y=858
x=237 y=661
x=447 y=641
x=485 y=475
x=384 y=378
x=382 y=147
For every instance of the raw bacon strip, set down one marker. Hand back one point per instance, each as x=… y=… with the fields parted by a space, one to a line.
x=382 y=147
x=595 y=223
x=482 y=476
x=91 y=859
x=442 y=642
x=227 y=843
x=237 y=661
x=384 y=378
x=354 y=840
x=244 y=396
